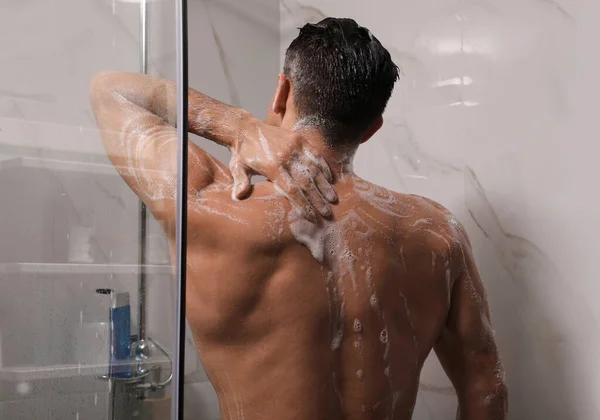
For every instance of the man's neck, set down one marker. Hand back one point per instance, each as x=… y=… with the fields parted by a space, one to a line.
x=340 y=160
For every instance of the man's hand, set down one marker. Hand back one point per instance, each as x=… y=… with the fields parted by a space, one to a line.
x=285 y=159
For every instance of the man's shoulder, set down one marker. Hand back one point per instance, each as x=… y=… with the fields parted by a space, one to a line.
x=426 y=207
x=433 y=224
x=410 y=210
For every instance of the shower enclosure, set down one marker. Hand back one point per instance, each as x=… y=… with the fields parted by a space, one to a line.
x=76 y=242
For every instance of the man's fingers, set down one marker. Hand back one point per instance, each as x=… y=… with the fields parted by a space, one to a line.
x=305 y=173
x=312 y=154
x=323 y=179
x=290 y=189
x=318 y=201
x=296 y=196
x=241 y=181
x=326 y=188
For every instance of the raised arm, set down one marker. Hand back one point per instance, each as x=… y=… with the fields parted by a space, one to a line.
x=467 y=348
x=137 y=115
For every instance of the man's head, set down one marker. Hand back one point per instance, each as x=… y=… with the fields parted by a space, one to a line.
x=337 y=78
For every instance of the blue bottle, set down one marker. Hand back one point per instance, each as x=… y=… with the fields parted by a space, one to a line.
x=120 y=336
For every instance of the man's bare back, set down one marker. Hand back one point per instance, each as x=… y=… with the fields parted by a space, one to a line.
x=301 y=310
x=295 y=321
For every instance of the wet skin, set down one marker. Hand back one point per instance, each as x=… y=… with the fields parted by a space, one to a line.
x=298 y=316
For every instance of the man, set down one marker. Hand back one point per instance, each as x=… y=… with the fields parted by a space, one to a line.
x=301 y=310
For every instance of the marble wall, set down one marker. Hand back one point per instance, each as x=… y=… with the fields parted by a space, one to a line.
x=495 y=118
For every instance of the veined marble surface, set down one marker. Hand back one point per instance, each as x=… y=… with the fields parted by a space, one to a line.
x=495 y=117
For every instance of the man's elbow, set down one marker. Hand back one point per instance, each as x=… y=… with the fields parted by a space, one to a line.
x=99 y=81
x=101 y=85
x=497 y=397
x=97 y=90
x=484 y=398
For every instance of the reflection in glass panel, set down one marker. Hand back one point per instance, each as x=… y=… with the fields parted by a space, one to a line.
x=71 y=260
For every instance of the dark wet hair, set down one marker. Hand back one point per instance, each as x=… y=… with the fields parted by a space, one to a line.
x=342 y=77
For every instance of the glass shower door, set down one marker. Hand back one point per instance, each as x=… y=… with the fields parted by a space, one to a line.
x=77 y=251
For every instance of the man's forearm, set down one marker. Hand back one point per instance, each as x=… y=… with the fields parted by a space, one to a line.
x=207 y=117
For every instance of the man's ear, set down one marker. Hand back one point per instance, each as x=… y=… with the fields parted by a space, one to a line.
x=374 y=129
x=278 y=107
x=281 y=96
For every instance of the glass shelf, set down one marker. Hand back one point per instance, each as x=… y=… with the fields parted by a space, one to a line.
x=33 y=373
x=51 y=268
x=57 y=165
